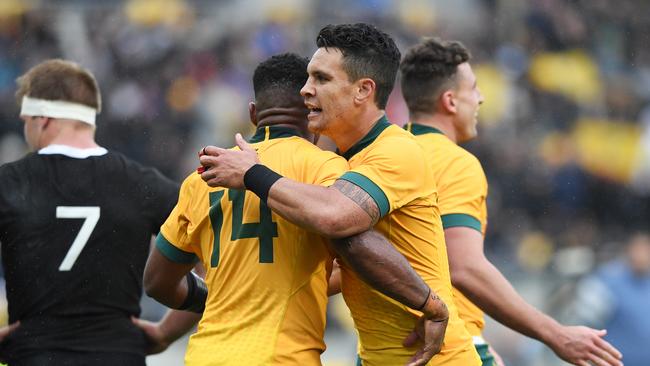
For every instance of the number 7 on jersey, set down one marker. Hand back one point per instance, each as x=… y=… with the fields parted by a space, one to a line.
x=90 y=214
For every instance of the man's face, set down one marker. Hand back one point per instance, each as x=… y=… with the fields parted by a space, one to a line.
x=328 y=93
x=33 y=129
x=638 y=253
x=468 y=99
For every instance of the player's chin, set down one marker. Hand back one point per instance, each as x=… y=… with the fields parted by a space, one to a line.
x=315 y=125
x=469 y=134
x=473 y=133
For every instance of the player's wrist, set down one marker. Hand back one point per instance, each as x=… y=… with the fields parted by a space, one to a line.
x=434 y=308
x=259 y=179
x=197 y=294
x=551 y=333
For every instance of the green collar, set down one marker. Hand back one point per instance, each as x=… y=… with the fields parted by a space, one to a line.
x=368 y=139
x=272 y=132
x=418 y=129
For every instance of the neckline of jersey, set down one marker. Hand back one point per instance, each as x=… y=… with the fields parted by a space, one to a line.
x=418 y=129
x=272 y=132
x=72 y=152
x=368 y=139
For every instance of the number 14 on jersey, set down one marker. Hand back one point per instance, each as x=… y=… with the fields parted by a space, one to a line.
x=265 y=230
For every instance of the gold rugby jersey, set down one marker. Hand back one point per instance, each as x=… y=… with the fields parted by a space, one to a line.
x=389 y=165
x=462 y=192
x=266 y=277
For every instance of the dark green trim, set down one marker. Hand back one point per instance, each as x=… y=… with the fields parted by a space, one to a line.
x=487 y=358
x=418 y=129
x=265 y=230
x=216 y=220
x=275 y=132
x=174 y=254
x=456 y=220
x=359 y=363
x=368 y=139
x=371 y=188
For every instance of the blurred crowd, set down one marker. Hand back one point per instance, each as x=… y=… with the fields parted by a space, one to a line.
x=564 y=133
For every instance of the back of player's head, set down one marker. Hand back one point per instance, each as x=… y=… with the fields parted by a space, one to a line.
x=428 y=69
x=367 y=53
x=60 y=80
x=278 y=79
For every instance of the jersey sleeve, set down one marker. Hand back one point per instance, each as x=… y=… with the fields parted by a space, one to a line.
x=463 y=193
x=393 y=173
x=174 y=240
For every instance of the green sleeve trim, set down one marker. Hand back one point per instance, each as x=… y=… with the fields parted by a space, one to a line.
x=456 y=220
x=174 y=254
x=371 y=188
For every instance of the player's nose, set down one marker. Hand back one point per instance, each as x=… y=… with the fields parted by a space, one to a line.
x=307 y=89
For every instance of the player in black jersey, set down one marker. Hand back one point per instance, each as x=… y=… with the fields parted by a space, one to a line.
x=76 y=222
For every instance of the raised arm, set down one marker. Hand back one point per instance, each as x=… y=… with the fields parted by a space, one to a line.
x=485 y=286
x=338 y=211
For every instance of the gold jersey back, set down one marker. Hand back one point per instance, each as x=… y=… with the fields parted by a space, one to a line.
x=266 y=277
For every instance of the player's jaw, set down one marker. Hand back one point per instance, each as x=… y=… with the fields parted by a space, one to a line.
x=466 y=126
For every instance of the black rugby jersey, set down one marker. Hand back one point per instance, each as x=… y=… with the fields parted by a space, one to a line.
x=75 y=235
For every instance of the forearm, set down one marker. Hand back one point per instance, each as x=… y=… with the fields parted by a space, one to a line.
x=381 y=266
x=171 y=295
x=176 y=323
x=486 y=287
x=316 y=208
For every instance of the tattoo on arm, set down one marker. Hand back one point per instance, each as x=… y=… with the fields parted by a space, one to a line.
x=360 y=197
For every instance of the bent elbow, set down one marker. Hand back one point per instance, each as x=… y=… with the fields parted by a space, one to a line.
x=335 y=228
x=152 y=287
x=461 y=275
x=335 y=223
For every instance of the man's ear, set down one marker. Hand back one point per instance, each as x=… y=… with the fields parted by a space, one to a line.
x=447 y=102
x=252 y=112
x=44 y=122
x=366 y=90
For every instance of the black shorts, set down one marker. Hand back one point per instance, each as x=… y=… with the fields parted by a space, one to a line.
x=66 y=358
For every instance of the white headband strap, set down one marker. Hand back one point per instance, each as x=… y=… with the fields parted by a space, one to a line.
x=58 y=109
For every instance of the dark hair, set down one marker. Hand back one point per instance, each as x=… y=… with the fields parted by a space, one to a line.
x=367 y=52
x=60 y=80
x=427 y=68
x=277 y=77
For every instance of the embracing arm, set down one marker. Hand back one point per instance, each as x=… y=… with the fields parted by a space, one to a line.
x=374 y=259
x=485 y=286
x=338 y=211
x=381 y=266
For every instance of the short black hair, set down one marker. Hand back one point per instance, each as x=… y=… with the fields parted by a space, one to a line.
x=277 y=77
x=367 y=52
x=427 y=69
